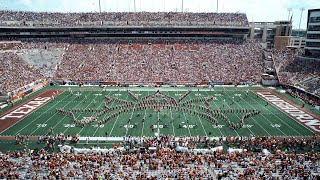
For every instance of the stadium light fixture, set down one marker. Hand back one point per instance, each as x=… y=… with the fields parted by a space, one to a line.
x=217 y=6
x=289 y=10
x=181 y=5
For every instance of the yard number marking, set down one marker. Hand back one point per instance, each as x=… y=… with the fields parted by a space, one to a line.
x=41 y=125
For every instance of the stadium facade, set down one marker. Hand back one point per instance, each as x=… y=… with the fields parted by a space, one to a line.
x=184 y=34
x=312 y=47
x=198 y=118
x=273 y=34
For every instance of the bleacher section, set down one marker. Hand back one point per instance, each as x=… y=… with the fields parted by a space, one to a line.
x=15 y=72
x=296 y=71
x=177 y=62
x=312 y=84
x=44 y=60
x=164 y=19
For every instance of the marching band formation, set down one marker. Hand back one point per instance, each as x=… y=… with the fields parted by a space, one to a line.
x=159 y=101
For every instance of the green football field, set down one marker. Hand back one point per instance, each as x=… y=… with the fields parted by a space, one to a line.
x=269 y=122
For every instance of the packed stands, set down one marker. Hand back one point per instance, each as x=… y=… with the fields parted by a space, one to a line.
x=280 y=158
x=15 y=73
x=27 y=61
x=45 y=19
x=45 y=60
x=178 y=61
x=293 y=70
x=169 y=61
x=312 y=84
x=140 y=62
x=10 y=45
x=302 y=95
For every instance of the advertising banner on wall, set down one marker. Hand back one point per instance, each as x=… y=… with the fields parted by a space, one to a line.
x=216 y=83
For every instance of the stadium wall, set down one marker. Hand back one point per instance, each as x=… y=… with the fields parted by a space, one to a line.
x=27 y=89
x=156 y=83
x=131 y=32
x=270 y=82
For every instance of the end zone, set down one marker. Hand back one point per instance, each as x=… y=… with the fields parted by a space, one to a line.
x=17 y=113
x=304 y=117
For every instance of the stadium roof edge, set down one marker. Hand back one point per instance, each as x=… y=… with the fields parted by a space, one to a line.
x=314 y=9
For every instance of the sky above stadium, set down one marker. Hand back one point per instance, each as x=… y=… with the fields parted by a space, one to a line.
x=256 y=10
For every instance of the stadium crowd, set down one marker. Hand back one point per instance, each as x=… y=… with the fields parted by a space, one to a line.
x=157 y=61
x=167 y=160
x=312 y=85
x=22 y=18
x=174 y=61
x=167 y=61
x=163 y=157
x=15 y=72
x=292 y=70
x=307 y=98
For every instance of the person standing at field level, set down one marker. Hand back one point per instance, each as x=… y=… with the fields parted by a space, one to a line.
x=85 y=98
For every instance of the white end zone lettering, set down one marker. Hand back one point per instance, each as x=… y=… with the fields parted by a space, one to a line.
x=26 y=109
x=309 y=120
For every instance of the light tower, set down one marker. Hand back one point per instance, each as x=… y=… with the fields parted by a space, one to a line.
x=181 y=5
x=99 y=7
x=301 y=9
x=217 y=6
x=289 y=10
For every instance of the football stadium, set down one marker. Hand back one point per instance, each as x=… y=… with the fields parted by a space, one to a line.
x=155 y=95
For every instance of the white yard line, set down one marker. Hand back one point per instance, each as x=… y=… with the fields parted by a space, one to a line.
x=26 y=115
x=186 y=123
x=130 y=118
x=77 y=117
x=201 y=122
x=87 y=107
x=52 y=117
x=144 y=117
x=185 y=118
x=158 y=123
x=65 y=116
x=39 y=116
x=218 y=108
x=171 y=120
x=275 y=114
x=116 y=120
x=261 y=114
x=103 y=116
x=240 y=118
